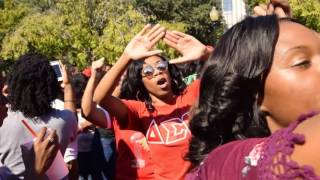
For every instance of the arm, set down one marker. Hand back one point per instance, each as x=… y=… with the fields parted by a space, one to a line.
x=102 y=94
x=70 y=154
x=89 y=107
x=69 y=101
x=139 y=47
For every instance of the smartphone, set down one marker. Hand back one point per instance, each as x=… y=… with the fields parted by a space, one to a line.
x=57 y=69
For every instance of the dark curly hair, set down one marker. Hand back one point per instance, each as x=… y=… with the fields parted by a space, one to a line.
x=32 y=85
x=134 y=89
x=232 y=85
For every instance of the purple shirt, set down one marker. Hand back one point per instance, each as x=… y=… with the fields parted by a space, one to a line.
x=231 y=158
x=255 y=158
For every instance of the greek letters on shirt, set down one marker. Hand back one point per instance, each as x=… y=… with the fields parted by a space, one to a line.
x=168 y=132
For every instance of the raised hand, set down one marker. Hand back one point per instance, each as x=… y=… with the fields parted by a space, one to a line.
x=65 y=77
x=281 y=8
x=190 y=48
x=98 y=64
x=141 y=45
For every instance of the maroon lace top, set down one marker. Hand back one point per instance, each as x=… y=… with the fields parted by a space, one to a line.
x=257 y=158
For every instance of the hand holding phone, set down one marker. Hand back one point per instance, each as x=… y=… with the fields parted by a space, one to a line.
x=57 y=69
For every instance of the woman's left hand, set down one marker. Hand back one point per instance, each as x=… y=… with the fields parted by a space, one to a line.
x=45 y=150
x=190 y=48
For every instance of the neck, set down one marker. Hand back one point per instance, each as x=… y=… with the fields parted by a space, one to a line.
x=165 y=100
x=273 y=125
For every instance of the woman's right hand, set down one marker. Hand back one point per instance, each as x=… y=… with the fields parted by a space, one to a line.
x=141 y=45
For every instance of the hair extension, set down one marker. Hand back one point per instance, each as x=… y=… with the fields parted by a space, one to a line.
x=232 y=81
x=32 y=85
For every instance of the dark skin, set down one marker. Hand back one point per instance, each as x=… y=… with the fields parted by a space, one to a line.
x=45 y=151
x=292 y=88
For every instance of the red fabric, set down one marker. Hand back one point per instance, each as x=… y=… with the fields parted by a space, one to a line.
x=87 y=72
x=131 y=154
x=167 y=133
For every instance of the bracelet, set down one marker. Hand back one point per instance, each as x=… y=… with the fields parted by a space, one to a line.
x=68 y=100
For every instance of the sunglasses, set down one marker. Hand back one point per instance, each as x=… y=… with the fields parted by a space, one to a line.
x=148 y=71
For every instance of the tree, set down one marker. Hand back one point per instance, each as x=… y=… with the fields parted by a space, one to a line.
x=41 y=32
x=76 y=31
x=193 y=13
x=308 y=12
x=10 y=17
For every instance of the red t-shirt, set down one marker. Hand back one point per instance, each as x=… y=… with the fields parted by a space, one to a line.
x=167 y=133
x=133 y=154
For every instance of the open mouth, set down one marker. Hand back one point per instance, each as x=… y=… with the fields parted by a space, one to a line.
x=162 y=83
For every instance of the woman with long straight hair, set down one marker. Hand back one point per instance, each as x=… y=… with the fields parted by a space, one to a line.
x=262 y=80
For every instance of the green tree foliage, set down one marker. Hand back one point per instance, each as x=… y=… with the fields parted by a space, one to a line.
x=305 y=11
x=10 y=17
x=193 y=13
x=76 y=31
x=43 y=32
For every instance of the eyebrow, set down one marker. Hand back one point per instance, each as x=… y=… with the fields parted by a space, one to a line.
x=295 y=48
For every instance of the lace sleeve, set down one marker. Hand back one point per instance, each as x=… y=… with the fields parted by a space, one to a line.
x=275 y=161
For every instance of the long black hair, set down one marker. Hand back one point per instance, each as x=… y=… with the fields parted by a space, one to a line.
x=32 y=85
x=133 y=87
x=232 y=85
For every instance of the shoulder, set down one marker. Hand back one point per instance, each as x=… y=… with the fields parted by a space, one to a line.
x=295 y=149
x=135 y=106
x=132 y=102
x=64 y=114
x=226 y=161
x=65 y=117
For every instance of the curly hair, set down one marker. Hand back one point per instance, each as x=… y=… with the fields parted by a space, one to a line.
x=232 y=87
x=134 y=89
x=32 y=85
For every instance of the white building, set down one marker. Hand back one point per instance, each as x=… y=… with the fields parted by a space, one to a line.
x=233 y=11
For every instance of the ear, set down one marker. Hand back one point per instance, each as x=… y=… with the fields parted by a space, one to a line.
x=264 y=109
x=5 y=90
